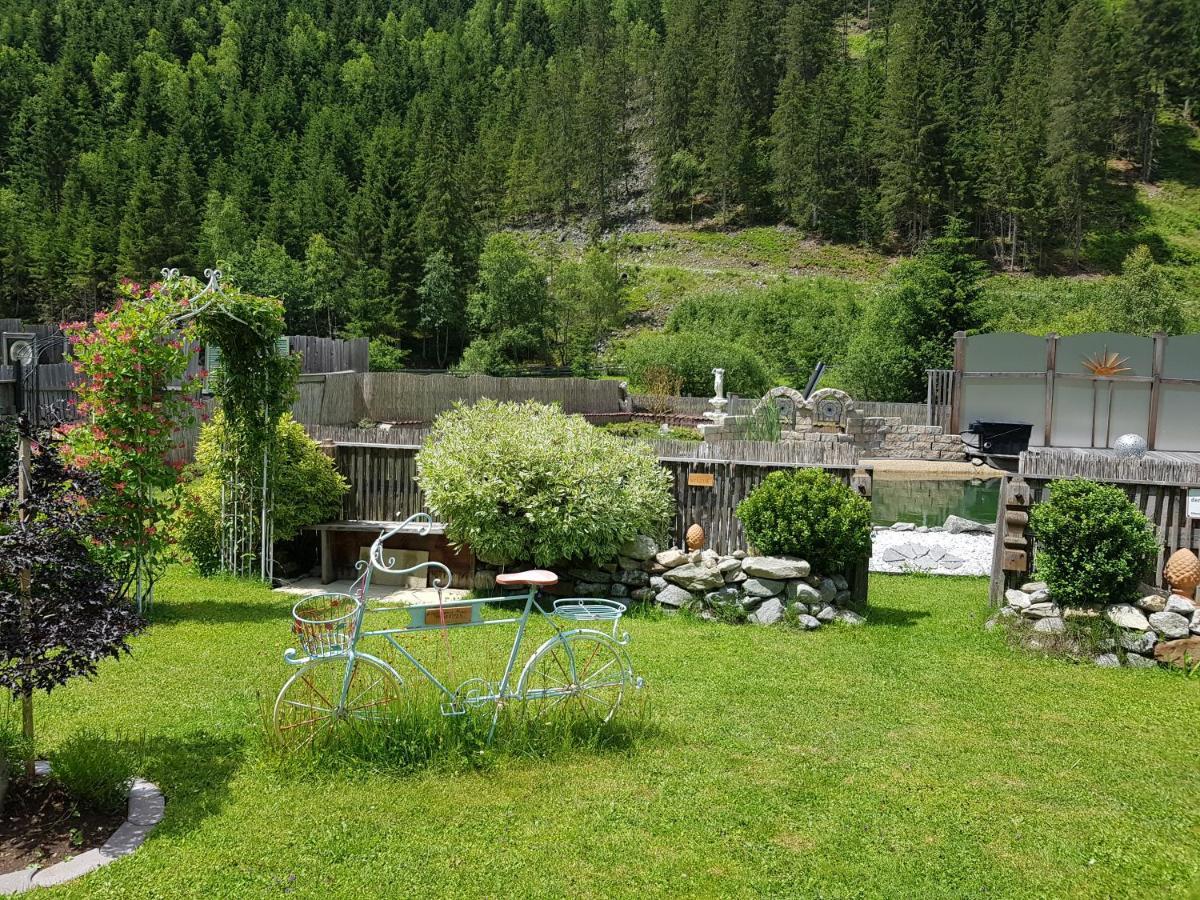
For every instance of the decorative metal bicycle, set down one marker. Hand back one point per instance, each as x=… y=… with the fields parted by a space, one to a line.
x=580 y=666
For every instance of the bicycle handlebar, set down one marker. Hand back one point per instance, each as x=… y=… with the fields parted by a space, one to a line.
x=385 y=566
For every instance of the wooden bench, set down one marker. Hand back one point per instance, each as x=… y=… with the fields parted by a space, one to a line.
x=328 y=529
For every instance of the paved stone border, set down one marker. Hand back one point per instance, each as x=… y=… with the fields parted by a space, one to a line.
x=146 y=806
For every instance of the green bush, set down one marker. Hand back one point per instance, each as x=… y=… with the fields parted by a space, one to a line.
x=1093 y=544
x=527 y=482
x=648 y=431
x=8 y=445
x=305 y=486
x=810 y=514
x=94 y=770
x=691 y=356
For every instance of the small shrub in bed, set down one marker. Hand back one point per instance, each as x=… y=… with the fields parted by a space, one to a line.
x=523 y=481
x=1093 y=544
x=94 y=770
x=690 y=358
x=810 y=514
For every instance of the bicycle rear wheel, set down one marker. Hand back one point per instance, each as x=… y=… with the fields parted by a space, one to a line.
x=311 y=704
x=580 y=672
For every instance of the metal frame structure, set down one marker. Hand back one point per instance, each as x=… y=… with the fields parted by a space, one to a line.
x=303 y=711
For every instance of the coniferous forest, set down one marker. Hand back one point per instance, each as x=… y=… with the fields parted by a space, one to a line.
x=354 y=155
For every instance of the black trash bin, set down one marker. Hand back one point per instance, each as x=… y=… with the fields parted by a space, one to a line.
x=1001 y=438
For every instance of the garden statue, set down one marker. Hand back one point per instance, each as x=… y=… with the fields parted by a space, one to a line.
x=1182 y=572
x=718 y=401
x=1130 y=446
x=718 y=384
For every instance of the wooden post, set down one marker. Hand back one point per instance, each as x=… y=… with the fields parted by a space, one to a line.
x=24 y=491
x=1160 y=352
x=956 y=384
x=326 y=557
x=1051 y=365
x=1011 y=557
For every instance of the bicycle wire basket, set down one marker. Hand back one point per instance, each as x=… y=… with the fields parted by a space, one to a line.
x=325 y=623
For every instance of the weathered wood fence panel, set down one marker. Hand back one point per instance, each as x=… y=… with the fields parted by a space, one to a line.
x=330 y=354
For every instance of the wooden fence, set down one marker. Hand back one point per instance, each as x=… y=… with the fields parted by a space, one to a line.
x=939 y=397
x=1156 y=484
x=330 y=354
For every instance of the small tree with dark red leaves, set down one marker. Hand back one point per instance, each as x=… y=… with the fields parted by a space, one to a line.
x=133 y=397
x=60 y=613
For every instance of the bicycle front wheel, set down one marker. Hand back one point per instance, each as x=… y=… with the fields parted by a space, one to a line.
x=582 y=672
x=326 y=692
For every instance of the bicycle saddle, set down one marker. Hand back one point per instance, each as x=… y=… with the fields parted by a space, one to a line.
x=532 y=578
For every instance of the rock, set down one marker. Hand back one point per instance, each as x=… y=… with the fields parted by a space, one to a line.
x=669 y=559
x=727 y=565
x=1184 y=653
x=618 y=590
x=827 y=614
x=640 y=548
x=1123 y=615
x=633 y=577
x=739 y=554
x=1108 y=661
x=841 y=582
x=799 y=591
x=843 y=597
x=724 y=597
x=959 y=525
x=735 y=577
x=1137 y=661
x=1196 y=622
x=1181 y=605
x=642 y=594
x=592 y=576
x=591 y=589
x=673 y=596
x=922 y=529
x=710 y=555
x=695 y=577
x=658 y=583
x=1080 y=612
x=904 y=526
x=625 y=563
x=1152 y=603
x=762 y=587
x=1017 y=599
x=608 y=567
x=1139 y=641
x=1039 y=597
x=809 y=622
x=750 y=602
x=1050 y=625
x=780 y=568
x=850 y=617
x=1042 y=611
x=828 y=590
x=1170 y=625
x=768 y=614
x=1032 y=587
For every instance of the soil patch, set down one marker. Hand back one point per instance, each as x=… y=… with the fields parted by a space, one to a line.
x=42 y=824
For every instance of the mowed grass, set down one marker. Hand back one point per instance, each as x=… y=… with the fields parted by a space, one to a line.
x=916 y=756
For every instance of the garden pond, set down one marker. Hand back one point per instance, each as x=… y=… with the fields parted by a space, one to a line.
x=928 y=501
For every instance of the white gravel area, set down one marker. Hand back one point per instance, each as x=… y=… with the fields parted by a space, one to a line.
x=935 y=552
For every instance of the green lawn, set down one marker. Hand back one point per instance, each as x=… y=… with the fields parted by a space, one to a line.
x=917 y=756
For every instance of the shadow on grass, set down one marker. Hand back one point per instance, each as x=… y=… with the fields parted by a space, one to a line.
x=889 y=615
x=218 y=612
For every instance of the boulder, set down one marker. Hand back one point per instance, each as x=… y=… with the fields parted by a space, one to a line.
x=843 y=597
x=669 y=559
x=959 y=525
x=727 y=565
x=1152 y=603
x=1196 y=622
x=827 y=614
x=809 y=622
x=1184 y=652
x=625 y=562
x=1039 y=597
x=739 y=554
x=632 y=577
x=768 y=614
x=673 y=596
x=1137 y=661
x=1032 y=587
x=591 y=589
x=642 y=594
x=904 y=526
x=1050 y=625
x=1181 y=605
x=724 y=597
x=1124 y=615
x=618 y=590
x=1108 y=661
x=695 y=577
x=850 y=617
x=828 y=590
x=658 y=583
x=640 y=548
x=1170 y=625
x=592 y=576
x=1042 y=611
x=841 y=582
x=1018 y=599
x=1139 y=641
x=801 y=592
x=762 y=587
x=734 y=577
x=780 y=568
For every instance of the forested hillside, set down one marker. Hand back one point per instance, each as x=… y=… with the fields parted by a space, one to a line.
x=352 y=155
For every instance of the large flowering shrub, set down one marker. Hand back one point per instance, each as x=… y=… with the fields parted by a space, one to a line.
x=132 y=397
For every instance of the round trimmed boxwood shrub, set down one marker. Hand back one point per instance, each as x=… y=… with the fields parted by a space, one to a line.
x=691 y=357
x=1093 y=544
x=306 y=489
x=524 y=481
x=810 y=514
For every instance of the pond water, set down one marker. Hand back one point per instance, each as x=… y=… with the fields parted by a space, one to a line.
x=927 y=501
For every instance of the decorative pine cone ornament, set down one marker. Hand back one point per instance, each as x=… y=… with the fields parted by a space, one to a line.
x=695 y=538
x=1183 y=572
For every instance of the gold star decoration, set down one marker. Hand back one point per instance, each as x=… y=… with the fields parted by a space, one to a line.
x=1106 y=364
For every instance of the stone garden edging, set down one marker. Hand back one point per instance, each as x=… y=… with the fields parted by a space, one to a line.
x=146 y=807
